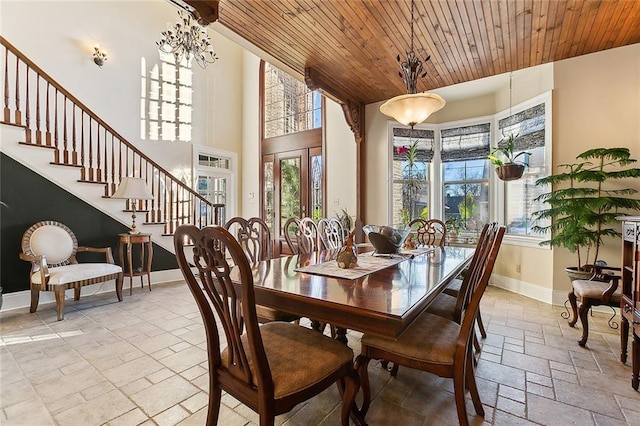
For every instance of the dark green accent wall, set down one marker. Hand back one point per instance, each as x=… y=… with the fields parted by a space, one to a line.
x=29 y=198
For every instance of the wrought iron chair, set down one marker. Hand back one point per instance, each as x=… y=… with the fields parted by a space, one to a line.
x=436 y=344
x=51 y=248
x=270 y=368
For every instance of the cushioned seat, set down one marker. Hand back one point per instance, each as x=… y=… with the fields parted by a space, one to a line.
x=77 y=272
x=454 y=287
x=51 y=248
x=289 y=348
x=420 y=343
x=594 y=289
x=443 y=306
x=266 y=314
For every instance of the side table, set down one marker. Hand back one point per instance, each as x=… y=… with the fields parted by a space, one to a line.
x=126 y=241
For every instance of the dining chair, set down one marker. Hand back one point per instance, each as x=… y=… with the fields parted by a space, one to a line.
x=307 y=241
x=305 y=232
x=254 y=237
x=331 y=233
x=429 y=232
x=453 y=307
x=270 y=368
x=435 y=344
x=601 y=289
x=453 y=289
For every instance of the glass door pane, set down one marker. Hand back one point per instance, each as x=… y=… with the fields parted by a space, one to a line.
x=213 y=189
x=268 y=213
x=290 y=193
x=316 y=187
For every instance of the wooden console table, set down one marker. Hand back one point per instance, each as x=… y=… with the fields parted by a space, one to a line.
x=630 y=302
x=126 y=241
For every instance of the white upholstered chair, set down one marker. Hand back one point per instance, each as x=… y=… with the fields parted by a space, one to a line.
x=51 y=248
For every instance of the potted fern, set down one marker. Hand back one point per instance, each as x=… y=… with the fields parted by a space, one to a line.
x=584 y=202
x=508 y=166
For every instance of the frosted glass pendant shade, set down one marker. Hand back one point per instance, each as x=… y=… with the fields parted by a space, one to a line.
x=413 y=108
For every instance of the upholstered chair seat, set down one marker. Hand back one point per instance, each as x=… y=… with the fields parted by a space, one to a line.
x=595 y=289
x=444 y=306
x=420 y=343
x=77 y=272
x=288 y=347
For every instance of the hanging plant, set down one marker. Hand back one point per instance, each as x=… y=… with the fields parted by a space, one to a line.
x=509 y=168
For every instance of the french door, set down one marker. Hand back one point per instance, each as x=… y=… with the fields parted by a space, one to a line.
x=293 y=183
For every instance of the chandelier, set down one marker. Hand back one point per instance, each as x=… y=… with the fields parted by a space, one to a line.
x=188 y=40
x=412 y=108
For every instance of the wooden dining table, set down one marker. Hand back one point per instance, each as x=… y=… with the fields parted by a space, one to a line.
x=383 y=303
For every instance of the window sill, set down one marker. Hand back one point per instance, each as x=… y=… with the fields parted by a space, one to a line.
x=525 y=241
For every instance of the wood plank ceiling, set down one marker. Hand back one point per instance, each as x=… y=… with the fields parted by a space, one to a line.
x=352 y=45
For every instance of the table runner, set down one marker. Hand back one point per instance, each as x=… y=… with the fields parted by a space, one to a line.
x=367 y=264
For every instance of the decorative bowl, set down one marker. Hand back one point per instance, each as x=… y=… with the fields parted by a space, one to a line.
x=386 y=239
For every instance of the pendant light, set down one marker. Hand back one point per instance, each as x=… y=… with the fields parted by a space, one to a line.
x=412 y=108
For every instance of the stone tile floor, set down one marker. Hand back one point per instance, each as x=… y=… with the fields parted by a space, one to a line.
x=143 y=361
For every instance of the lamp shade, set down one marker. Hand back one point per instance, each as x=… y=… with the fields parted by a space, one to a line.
x=133 y=189
x=413 y=108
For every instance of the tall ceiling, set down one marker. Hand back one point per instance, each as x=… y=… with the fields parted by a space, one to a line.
x=349 y=47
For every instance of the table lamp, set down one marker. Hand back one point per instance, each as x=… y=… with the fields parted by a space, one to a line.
x=132 y=188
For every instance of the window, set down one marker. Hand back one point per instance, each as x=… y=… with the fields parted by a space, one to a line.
x=529 y=123
x=166 y=100
x=412 y=155
x=289 y=106
x=455 y=176
x=465 y=174
x=292 y=175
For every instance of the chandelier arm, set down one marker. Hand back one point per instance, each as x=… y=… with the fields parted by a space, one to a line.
x=188 y=40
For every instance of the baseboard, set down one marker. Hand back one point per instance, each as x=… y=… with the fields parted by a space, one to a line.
x=543 y=294
x=22 y=299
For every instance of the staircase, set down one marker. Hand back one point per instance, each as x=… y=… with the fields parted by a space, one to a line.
x=55 y=121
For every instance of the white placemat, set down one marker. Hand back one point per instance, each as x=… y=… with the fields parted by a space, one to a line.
x=367 y=264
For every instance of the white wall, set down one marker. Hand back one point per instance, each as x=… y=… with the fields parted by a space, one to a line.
x=340 y=162
x=59 y=37
x=251 y=165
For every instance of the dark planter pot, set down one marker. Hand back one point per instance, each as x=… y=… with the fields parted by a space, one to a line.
x=510 y=171
x=576 y=274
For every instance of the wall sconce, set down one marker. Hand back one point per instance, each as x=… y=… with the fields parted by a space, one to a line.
x=99 y=56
